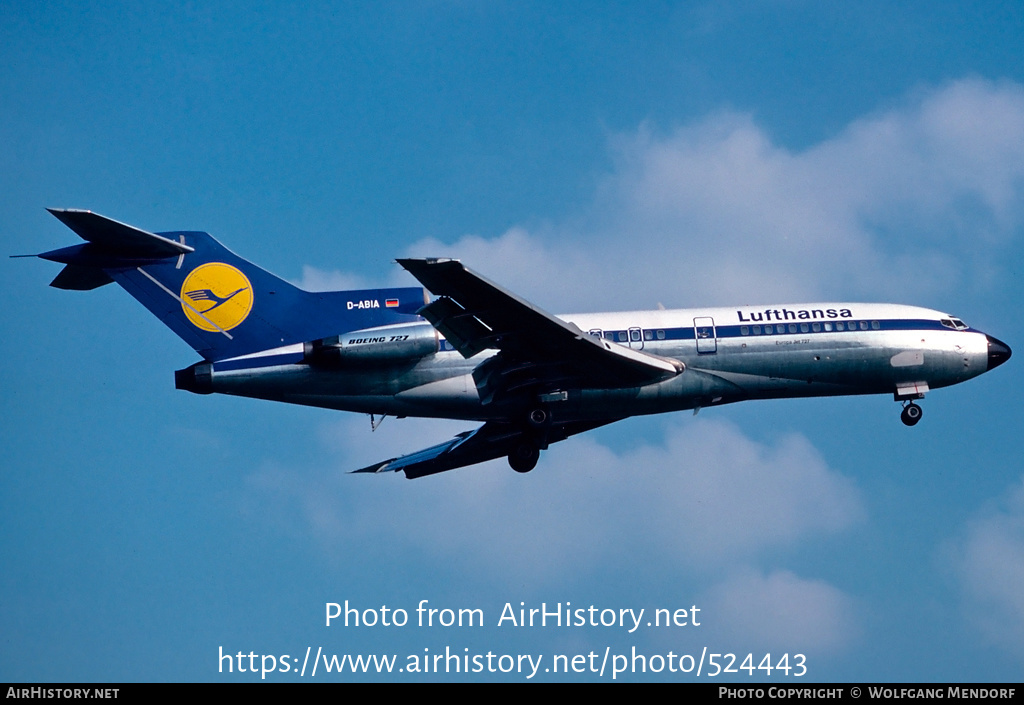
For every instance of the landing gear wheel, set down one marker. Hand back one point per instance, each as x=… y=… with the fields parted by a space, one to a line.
x=911 y=414
x=538 y=417
x=524 y=457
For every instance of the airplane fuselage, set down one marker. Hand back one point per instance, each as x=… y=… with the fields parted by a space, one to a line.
x=730 y=354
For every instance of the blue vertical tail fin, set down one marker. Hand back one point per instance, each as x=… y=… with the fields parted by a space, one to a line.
x=220 y=304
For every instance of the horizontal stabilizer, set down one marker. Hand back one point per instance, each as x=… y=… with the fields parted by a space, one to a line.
x=78 y=278
x=118 y=237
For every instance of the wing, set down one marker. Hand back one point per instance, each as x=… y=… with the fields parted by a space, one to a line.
x=490 y=441
x=538 y=352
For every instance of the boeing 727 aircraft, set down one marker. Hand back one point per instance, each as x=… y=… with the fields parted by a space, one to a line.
x=478 y=352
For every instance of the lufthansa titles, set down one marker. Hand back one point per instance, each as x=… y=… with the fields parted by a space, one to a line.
x=774 y=314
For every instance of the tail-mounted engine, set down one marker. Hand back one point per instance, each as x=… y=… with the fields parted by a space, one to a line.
x=387 y=344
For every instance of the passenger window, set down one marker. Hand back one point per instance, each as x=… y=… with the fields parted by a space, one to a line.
x=804 y=328
x=863 y=325
x=661 y=335
x=744 y=330
x=875 y=325
x=792 y=327
x=648 y=335
x=757 y=330
x=816 y=327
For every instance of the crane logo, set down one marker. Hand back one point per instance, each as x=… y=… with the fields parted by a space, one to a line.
x=216 y=297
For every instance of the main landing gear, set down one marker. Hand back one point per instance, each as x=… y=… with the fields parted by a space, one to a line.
x=524 y=456
x=538 y=418
x=526 y=452
x=911 y=413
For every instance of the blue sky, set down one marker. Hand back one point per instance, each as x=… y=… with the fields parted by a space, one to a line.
x=590 y=156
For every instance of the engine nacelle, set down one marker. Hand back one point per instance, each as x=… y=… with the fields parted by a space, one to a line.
x=399 y=343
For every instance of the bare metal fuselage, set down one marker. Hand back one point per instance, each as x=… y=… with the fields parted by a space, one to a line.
x=729 y=355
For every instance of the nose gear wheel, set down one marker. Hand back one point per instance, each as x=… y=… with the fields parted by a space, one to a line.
x=911 y=414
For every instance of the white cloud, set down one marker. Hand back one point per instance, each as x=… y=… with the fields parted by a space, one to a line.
x=781 y=612
x=715 y=212
x=726 y=496
x=989 y=561
x=521 y=262
x=708 y=502
x=708 y=497
x=314 y=279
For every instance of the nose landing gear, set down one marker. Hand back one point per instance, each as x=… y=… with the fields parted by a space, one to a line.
x=911 y=413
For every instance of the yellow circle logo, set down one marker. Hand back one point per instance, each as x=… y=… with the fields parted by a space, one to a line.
x=216 y=296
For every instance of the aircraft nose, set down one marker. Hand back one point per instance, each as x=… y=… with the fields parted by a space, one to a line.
x=998 y=352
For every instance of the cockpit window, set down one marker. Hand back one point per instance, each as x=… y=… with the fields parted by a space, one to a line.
x=960 y=325
x=954 y=323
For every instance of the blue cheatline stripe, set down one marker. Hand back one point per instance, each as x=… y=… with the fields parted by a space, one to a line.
x=735 y=331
